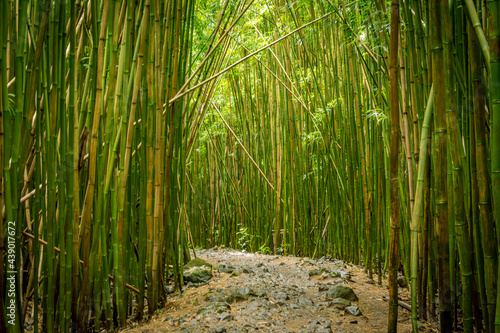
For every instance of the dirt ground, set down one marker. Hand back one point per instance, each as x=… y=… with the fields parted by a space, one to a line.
x=284 y=295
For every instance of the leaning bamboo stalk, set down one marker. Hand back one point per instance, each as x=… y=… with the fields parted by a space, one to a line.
x=179 y=95
x=418 y=208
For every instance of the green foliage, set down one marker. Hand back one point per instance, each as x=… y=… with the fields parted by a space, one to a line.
x=244 y=239
x=264 y=249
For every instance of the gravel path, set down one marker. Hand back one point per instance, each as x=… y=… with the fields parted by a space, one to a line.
x=261 y=293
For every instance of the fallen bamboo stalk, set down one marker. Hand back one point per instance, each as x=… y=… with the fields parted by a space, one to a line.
x=400 y=303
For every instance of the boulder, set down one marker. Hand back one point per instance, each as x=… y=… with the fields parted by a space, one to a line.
x=197 y=271
x=339 y=291
x=316 y=271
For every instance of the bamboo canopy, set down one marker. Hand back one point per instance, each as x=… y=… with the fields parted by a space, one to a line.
x=134 y=132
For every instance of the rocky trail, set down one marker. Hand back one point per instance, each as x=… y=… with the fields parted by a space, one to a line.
x=262 y=293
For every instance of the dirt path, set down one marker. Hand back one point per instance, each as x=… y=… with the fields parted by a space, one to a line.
x=276 y=294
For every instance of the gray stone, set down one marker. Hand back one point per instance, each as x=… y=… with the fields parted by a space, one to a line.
x=220 y=329
x=223 y=268
x=339 y=303
x=344 y=292
x=335 y=273
x=324 y=330
x=345 y=275
x=303 y=301
x=353 y=309
x=226 y=316
x=218 y=307
x=323 y=287
x=281 y=296
x=240 y=294
x=214 y=298
x=316 y=271
x=402 y=282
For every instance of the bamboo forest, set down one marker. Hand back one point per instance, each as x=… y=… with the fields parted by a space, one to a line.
x=305 y=154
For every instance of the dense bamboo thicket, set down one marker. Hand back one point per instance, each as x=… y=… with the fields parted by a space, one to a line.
x=134 y=131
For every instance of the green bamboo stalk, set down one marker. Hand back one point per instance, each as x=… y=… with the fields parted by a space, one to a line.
x=419 y=205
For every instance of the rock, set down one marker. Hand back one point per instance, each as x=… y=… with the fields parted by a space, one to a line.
x=316 y=271
x=305 y=302
x=335 y=274
x=324 y=330
x=218 y=307
x=253 y=306
x=339 y=303
x=322 y=304
x=226 y=316
x=402 y=282
x=326 y=322
x=240 y=294
x=344 y=292
x=323 y=287
x=197 y=271
x=370 y=281
x=338 y=281
x=219 y=329
x=214 y=298
x=345 y=275
x=224 y=268
x=353 y=309
x=169 y=289
x=247 y=271
x=281 y=296
x=197 y=263
x=198 y=274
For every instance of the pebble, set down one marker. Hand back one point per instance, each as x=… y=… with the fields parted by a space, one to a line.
x=220 y=329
